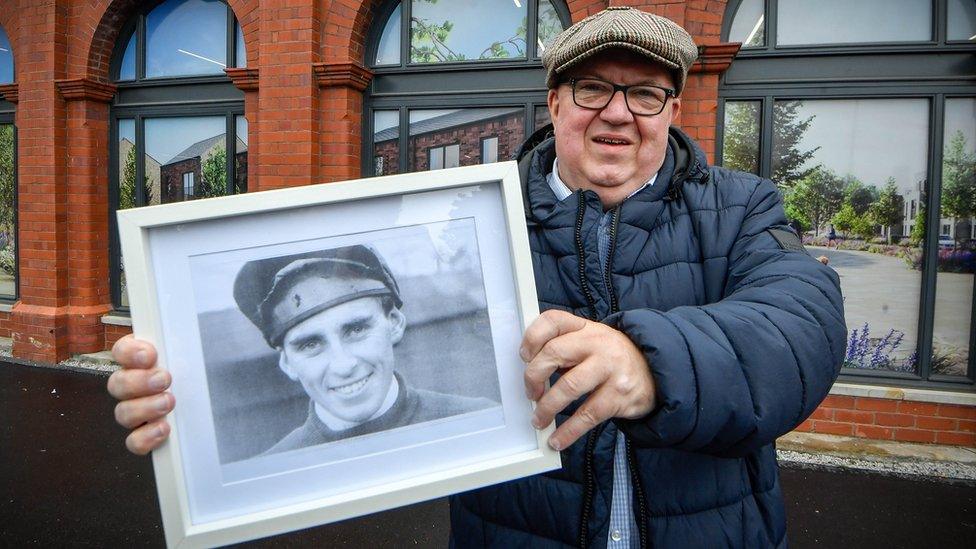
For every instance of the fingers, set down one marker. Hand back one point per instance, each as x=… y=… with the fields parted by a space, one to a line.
x=549 y=325
x=134 y=353
x=571 y=386
x=594 y=411
x=147 y=438
x=134 y=412
x=565 y=351
x=126 y=384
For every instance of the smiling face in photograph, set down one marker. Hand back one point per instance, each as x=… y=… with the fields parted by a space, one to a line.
x=343 y=356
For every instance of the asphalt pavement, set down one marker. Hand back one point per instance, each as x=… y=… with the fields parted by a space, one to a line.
x=66 y=480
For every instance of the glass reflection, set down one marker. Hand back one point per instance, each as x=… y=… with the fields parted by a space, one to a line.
x=843 y=171
x=8 y=228
x=240 y=155
x=541 y=117
x=186 y=37
x=549 y=25
x=386 y=142
x=957 y=241
x=961 y=20
x=127 y=184
x=127 y=71
x=801 y=22
x=6 y=59
x=749 y=24
x=388 y=52
x=240 y=48
x=740 y=145
x=457 y=31
x=176 y=147
x=449 y=138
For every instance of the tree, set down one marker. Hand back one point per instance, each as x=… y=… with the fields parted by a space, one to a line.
x=740 y=149
x=214 y=174
x=7 y=178
x=788 y=131
x=918 y=229
x=816 y=197
x=127 y=183
x=859 y=196
x=958 y=179
x=887 y=210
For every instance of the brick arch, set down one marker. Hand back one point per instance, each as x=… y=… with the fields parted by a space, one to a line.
x=89 y=55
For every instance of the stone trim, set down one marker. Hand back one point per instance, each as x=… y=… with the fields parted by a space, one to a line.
x=904 y=393
x=245 y=79
x=85 y=89
x=117 y=320
x=9 y=92
x=349 y=75
x=715 y=58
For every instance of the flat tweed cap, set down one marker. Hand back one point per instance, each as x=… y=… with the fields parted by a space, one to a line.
x=659 y=39
x=278 y=293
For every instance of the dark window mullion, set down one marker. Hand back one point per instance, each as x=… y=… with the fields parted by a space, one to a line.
x=531 y=30
x=406 y=12
x=930 y=248
x=939 y=23
x=771 y=13
x=141 y=162
x=766 y=137
x=404 y=148
x=230 y=152
x=231 y=55
x=141 y=47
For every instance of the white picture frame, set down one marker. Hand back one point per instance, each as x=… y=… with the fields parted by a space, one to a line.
x=179 y=259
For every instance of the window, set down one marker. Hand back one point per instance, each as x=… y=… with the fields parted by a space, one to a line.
x=437 y=90
x=177 y=121
x=8 y=179
x=489 y=150
x=188 y=185
x=842 y=104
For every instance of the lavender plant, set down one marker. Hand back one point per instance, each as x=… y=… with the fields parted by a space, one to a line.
x=863 y=351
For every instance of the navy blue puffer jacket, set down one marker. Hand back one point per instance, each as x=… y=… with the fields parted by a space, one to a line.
x=744 y=334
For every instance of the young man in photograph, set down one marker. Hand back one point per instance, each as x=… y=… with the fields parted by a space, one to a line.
x=685 y=328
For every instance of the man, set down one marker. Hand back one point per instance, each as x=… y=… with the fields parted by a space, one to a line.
x=686 y=326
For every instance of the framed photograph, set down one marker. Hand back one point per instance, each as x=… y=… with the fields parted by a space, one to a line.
x=337 y=349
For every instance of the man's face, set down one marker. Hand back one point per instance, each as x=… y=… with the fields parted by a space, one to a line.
x=343 y=356
x=611 y=151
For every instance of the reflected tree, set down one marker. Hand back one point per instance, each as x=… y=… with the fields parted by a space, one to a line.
x=127 y=183
x=958 y=181
x=740 y=149
x=815 y=198
x=428 y=42
x=887 y=209
x=214 y=174
x=7 y=212
x=788 y=130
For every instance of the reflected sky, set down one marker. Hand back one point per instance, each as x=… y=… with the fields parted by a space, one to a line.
x=962 y=20
x=873 y=139
x=476 y=23
x=960 y=116
x=842 y=21
x=748 y=26
x=6 y=59
x=186 y=37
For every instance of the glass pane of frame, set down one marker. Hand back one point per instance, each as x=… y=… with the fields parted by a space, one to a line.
x=6 y=59
x=802 y=22
x=847 y=179
x=240 y=158
x=961 y=20
x=458 y=31
x=386 y=142
x=749 y=24
x=388 y=51
x=8 y=228
x=740 y=144
x=957 y=241
x=549 y=25
x=180 y=145
x=452 y=137
x=186 y=37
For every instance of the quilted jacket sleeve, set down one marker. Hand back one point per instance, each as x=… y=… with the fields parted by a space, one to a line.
x=732 y=376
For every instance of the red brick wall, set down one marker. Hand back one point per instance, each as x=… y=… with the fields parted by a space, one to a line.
x=900 y=420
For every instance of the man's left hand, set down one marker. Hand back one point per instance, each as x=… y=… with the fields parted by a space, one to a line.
x=594 y=359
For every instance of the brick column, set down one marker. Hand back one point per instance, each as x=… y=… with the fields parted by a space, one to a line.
x=39 y=326
x=342 y=86
x=247 y=80
x=87 y=180
x=289 y=99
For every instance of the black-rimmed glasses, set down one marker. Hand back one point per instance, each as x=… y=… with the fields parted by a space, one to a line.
x=642 y=100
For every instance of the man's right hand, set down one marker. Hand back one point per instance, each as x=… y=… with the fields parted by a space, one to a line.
x=139 y=386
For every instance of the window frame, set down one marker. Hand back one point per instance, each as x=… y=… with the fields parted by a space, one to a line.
x=8 y=116
x=808 y=82
x=457 y=85
x=163 y=97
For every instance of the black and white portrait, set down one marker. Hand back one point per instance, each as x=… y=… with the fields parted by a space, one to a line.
x=351 y=336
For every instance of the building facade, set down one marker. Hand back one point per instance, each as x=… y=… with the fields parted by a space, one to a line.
x=864 y=113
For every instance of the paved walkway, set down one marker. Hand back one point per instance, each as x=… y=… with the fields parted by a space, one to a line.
x=884 y=292
x=67 y=481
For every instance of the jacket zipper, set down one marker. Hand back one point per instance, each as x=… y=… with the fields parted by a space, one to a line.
x=589 y=483
x=614 y=219
x=639 y=492
x=580 y=253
